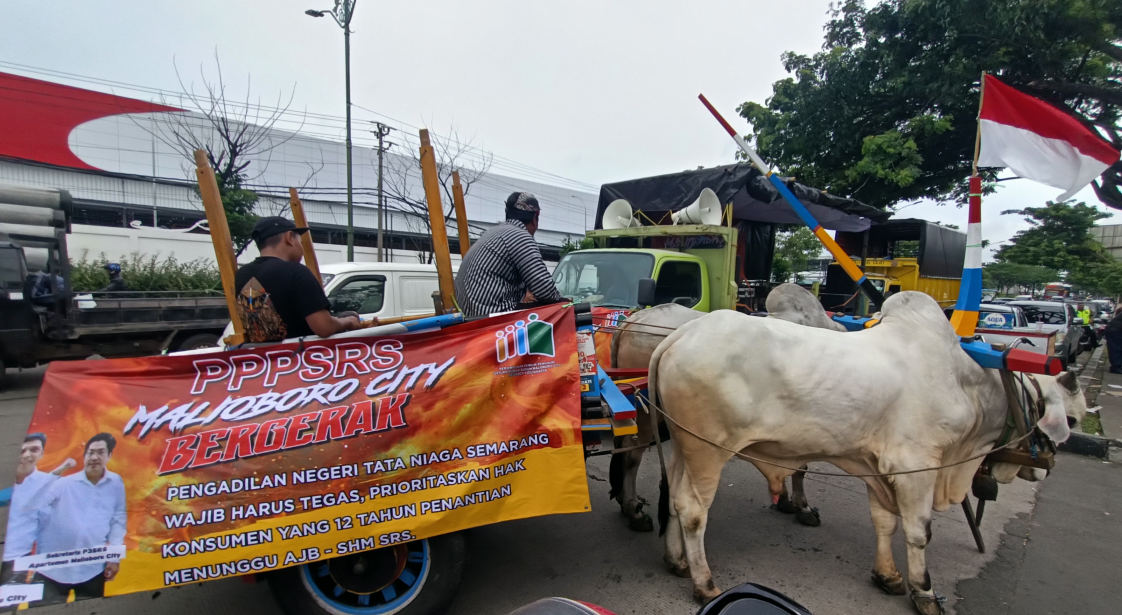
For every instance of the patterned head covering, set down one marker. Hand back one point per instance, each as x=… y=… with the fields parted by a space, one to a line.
x=523 y=201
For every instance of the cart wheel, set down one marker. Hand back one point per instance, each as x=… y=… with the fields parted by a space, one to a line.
x=198 y=341
x=414 y=578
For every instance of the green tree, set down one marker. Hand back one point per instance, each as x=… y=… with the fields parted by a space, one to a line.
x=886 y=111
x=1020 y=277
x=569 y=244
x=793 y=250
x=1060 y=238
x=233 y=133
x=1100 y=279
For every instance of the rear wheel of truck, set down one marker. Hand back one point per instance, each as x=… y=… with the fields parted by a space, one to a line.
x=413 y=578
x=198 y=341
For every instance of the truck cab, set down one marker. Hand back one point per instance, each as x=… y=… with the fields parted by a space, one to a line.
x=692 y=265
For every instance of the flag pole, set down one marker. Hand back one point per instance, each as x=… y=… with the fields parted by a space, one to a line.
x=848 y=266
x=965 y=316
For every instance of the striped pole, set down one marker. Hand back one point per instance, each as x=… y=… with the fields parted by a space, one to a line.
x=851 y=269
x=965 y=317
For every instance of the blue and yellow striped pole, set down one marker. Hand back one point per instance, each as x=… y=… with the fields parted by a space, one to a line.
x=851 y=269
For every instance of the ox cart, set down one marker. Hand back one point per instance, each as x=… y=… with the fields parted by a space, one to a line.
x=341 y=469
x=344 y=468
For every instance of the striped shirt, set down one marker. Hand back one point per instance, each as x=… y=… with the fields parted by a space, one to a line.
x=498 y=270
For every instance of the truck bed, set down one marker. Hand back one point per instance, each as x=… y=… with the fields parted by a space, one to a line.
x=127 y=311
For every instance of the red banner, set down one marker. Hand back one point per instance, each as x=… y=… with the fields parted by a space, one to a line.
x=251 y=460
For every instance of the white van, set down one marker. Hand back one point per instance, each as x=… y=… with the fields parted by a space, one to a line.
x=376 y=290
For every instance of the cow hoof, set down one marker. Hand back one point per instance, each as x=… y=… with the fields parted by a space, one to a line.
x=707 y=593
x=642 y=523
x=893 y=585
x=808 y=517
x=927 y=605
x=784 y=505
x=678 y=570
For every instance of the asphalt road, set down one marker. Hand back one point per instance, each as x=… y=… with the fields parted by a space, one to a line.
x=594 y=557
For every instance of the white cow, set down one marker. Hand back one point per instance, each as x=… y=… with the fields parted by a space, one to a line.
x=899 y=396
x=634 y=342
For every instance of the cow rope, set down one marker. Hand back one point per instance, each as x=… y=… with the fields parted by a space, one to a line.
x=648 y=405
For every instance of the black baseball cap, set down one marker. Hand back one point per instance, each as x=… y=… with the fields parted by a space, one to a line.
x=274 y=225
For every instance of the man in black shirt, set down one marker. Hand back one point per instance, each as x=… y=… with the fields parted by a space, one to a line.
x=278 y=297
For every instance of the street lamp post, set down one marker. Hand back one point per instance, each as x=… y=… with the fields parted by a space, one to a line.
x=342 y=13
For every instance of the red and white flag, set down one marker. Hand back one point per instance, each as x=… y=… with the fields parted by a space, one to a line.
x=1038 y=141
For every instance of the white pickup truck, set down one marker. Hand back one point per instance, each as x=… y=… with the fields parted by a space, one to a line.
x=376 y=290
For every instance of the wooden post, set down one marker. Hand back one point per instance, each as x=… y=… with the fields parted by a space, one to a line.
x=305 y=238
x=220 y=237
x=461 y=213
x=436 y=222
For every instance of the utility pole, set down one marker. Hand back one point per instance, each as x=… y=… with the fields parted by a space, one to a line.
x=342 y=13
x=381 y=130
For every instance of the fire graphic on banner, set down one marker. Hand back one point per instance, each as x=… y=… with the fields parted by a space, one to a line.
x=251 y=460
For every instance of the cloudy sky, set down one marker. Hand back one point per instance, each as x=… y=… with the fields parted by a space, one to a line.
x=579 y=92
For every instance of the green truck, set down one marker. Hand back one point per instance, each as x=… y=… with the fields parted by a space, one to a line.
x=702 y=266
x=693 y=265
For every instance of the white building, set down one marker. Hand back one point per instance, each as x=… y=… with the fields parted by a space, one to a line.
x=106 y=151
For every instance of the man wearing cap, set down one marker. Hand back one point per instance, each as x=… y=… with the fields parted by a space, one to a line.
x=504 y=267
x=278 y=297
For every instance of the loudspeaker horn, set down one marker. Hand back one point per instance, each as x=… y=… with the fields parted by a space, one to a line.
x=705 y=210
x=619 y=215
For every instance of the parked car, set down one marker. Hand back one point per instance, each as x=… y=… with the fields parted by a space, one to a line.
x=1101 y=309
x=375 y=290
x=1006 y=324
x=1059 y=317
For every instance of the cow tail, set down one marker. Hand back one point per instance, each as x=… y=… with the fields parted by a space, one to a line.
x=663 y=504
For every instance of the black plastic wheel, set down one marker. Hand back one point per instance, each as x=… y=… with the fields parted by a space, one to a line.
x=413 y=578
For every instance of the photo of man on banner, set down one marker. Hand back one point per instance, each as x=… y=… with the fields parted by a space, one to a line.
x=23 y=519
x=81 y=510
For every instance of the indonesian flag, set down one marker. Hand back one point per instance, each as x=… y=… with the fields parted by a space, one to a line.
x=1038 y=141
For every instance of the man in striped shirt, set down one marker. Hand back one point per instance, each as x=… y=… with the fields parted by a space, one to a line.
x=504 y=269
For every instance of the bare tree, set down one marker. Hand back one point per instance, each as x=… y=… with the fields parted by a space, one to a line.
x=403 y=181
x=233 y=133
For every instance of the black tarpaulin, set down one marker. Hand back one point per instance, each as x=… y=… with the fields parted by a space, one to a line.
x=753 y=197
x=941 y=249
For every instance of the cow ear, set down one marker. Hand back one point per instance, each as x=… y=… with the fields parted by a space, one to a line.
x=1067 y=380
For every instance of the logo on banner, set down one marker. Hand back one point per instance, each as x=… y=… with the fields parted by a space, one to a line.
x=614 y=317
x=525 y=337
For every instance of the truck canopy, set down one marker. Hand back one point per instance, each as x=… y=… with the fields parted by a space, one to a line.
x=753 y=198
x=941 y=250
